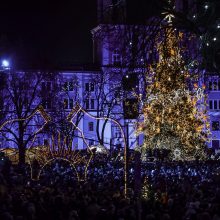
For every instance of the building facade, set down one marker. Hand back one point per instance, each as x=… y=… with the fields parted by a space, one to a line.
x=105 y=93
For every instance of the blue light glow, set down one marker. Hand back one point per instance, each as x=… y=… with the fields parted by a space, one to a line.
x=5 y=63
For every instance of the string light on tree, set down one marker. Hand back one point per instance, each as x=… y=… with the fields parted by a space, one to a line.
x=174 y=107
x=206 y=6
x=145 y=189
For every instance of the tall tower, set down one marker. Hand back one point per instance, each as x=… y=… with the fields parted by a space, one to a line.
x=111 y=11
x=110 y=14
x=113 y=34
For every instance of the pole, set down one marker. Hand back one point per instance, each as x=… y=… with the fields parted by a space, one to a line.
x=137 y=181
x=126 y=159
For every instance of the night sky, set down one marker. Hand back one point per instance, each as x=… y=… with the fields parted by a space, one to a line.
x=50 y=34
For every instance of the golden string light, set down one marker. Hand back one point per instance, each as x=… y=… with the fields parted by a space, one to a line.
x=47 y=154
x=77 y=109
x=145 y=189
x=63 y=151
x=40 y=110
x=175 y=102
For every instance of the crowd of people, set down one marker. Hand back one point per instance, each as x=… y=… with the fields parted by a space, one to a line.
x=169 y=190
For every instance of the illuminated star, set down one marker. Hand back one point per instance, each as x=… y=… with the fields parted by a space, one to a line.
x=169 y=17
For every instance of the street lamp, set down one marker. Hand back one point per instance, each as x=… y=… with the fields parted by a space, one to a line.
x=5 y=64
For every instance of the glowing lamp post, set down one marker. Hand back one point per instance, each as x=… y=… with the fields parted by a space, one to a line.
x=5 y=64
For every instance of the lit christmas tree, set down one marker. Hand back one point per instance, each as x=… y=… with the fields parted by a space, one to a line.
x=175 y=115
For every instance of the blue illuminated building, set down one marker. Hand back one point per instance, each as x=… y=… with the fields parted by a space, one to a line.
x=106 y=88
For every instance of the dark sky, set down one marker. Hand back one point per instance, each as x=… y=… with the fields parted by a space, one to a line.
x=34 y=33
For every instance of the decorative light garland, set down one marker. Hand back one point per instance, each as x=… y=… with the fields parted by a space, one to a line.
x=64 y=151
x=174 y=105
x=79 y=108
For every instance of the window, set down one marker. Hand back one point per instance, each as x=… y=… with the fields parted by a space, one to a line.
x=68 y=86
x=215 y=85
x=210 y=104
x=65 y=103
x=215 y=104
x=117 y=131
x=65 y=86
x=215 y=125
x=68 y=103
x=116 y=57
x=87 y=87
x=215 y=144
x=90 y=87
x=210 y=85
x=92 y=104
x=87 y=103
x=91 y=126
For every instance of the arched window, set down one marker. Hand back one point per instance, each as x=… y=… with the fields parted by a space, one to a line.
x=116 y=57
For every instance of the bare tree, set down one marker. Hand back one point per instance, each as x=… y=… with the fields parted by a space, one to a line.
x=107 y=95
x=68 y=98
x=2 y=90
x=23 y=94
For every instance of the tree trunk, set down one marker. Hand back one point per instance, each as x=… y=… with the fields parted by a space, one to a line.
x=97 y=131
x=21 y=146
x=103 y=131
x=22 y=150
x=137 y=181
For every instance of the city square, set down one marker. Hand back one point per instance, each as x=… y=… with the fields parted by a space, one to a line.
x=110 y=110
